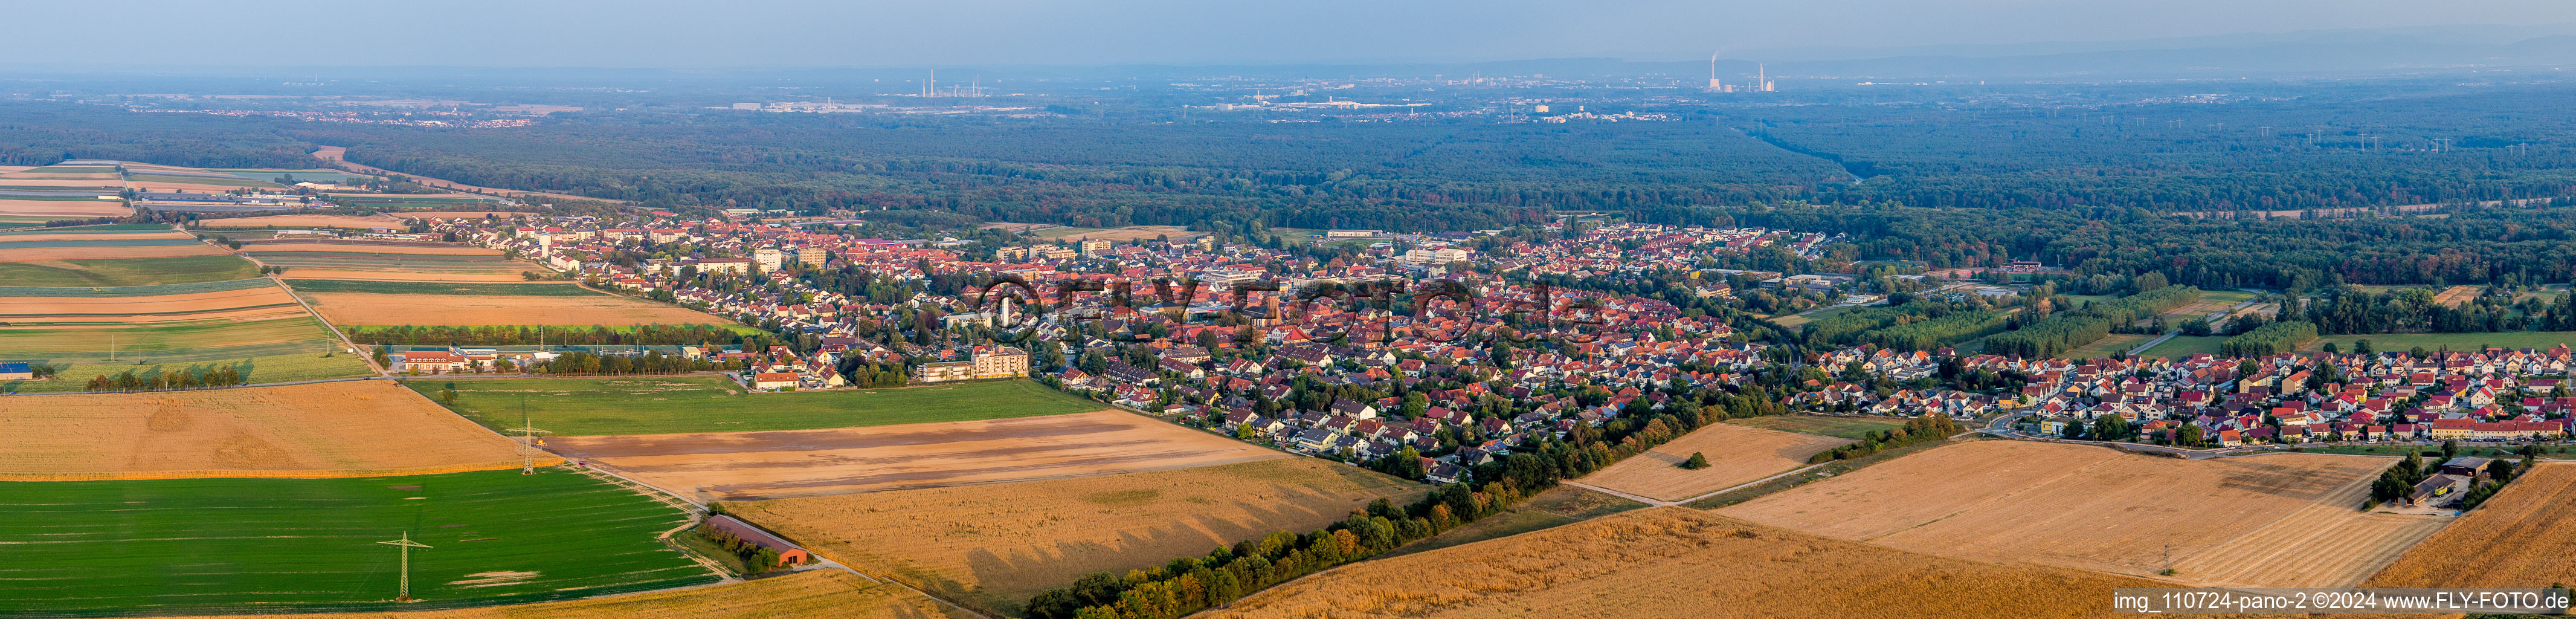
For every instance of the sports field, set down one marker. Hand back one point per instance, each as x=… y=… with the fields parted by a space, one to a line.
x=993 y=546
x=794 y=463
x=2294 y=519
x=1680 y=562
x=814 y=594
x=256 y=369
x=1736 y=454
x=313 y=430
x=269 y=545
x=1853 y=427
x=675 y=404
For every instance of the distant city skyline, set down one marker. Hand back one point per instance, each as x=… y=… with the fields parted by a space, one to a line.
x=806 y=33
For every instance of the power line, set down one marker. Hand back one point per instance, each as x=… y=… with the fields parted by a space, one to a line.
x=404 y=594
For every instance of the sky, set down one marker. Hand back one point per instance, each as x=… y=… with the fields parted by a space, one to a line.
x=936 y=33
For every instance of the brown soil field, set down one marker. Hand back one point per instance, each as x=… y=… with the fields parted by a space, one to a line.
x=2455 y=296
x=1136 y=233
x=65 y=208
x=1736 y=454
x=367 y=308
x=301 y=221
x=62 y=182
x=162 y=304
x=1679 y=562
x=210 y=185
x=374 y=248
x=793 y=463
x=412 y=276
x=993 y=546
x=2289 y=520
x=816 y=594
x=79 y=253
x=2524 y=536
x=315 y=430
x=112 y=236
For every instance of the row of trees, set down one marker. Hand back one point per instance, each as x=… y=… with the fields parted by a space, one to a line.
x=193 y=377
x=1924 y=429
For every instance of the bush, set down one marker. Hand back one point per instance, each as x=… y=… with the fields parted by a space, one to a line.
x=1697 y=461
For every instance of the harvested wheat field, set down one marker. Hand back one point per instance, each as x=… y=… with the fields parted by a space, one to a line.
x=39 y=254
x=793 y=463
x=2286 y=520
x=1679 y=562
x=413 y=276
x=39 y=308
x=1736 y=454
x=65 y=208
x=317 y=430
x=367 y=308
x=993 y=546
x=818 y=594
x=2455 y=296
x=93 y=236
x=2524 y=536
x=373 y=248
x=301 y=221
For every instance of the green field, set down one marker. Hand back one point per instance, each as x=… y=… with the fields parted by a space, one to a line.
x=256 y=369
x=677 y=404
x=199 y=180
x=1839 y=427
x=2394 y=342
x=318 y=176
x=97 y=229
x=187 y=342
x=113 y=272
x=2182 y=346
x=2113 y=344
x=415 y=263
x=109 y=548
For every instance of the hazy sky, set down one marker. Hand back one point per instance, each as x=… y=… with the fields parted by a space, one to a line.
x=806 y=33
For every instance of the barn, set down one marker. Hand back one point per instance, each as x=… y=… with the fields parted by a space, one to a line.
x=788 y=552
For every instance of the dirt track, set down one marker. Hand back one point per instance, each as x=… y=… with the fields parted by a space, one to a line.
x=767 y=465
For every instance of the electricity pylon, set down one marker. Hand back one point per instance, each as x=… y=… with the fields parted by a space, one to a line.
x=404 y=594
x=527 y=440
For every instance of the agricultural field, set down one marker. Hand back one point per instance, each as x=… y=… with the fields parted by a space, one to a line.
x=704 y=403
x=2295 y=517
x=2184 y=346
x=794 y=463
x=2112 y=344
x=548 y=289
x=494 y=537
x=2398 y=342
x=340 y=429
x=1554 y=507
x=318 y=176
x=138 y=272
x=993 y=546
x=254 y=369
x=1840 y=427
x=1736 y=454
x=814 y=594
x=301 y=222
x=169 y=342
x=26 y=209
x=1678 y=562
x=66 y=250
x=399 y=264
x=253 y=299
x=377 y=248
x=441 y=309
x=2523 y=537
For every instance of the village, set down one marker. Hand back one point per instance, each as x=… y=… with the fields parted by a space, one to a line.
x=1232 y=337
